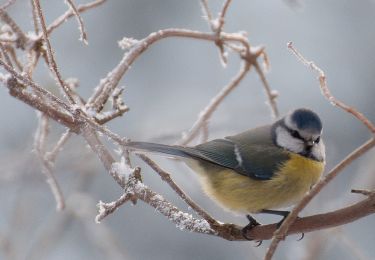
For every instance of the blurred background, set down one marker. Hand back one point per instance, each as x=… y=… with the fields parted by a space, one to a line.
x=166 y=89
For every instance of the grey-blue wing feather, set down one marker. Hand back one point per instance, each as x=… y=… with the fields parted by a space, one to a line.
x=251 y=153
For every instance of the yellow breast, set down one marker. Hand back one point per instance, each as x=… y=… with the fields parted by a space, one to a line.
x=243 y=194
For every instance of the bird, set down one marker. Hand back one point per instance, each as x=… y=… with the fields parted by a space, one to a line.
x=259 y=170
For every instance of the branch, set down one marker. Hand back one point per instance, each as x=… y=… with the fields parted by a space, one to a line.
x=17 y=90
x=271 y=94
x=108 y=84
x=320 y=221
x=81 y=8
x=51 y=156
x=100 y=150
x=327 y=93
x=167 y=178
x=39 y=144
x=50 y=56
x=74 y=9
x=217 y=25
x=21 y=37
x=282 y=231
x=214 y=103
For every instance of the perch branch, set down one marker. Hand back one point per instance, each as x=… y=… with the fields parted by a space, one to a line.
x=282 y=231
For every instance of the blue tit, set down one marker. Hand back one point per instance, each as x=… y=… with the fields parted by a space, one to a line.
x=259 y=170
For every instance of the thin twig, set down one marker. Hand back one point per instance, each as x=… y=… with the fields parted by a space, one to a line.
x=327 y=93
x=40 y=143
x=214 y=103
x=205 y=132
x=108 y=84
x=13 y=55
x=103 y=154
x=21 y=37
x=5 y=54
x=222 y=14
x=83 y=36
x=32 y=61
x=50 y=55
x=16 y=89
x=36 y=87
x=216 y=26
x=281 y=232
x=103 y=118
x=167 y=178
x=207 y=12
x=81 y=8
x=106 y=209
x=51 y=156
x=271 y=94
x=35 y=17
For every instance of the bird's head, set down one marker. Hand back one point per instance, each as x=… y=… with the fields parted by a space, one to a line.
x=300 y=132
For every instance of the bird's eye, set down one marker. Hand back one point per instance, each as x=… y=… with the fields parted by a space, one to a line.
x=317 y=140
x=295 y=134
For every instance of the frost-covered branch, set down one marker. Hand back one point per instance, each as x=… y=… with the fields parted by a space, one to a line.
x=63 y=18
x=87 y=118
x=50 y=53
x=167 y=178
x=21 y=38
x=107 y=85
x=134 y=189
x=74 y=9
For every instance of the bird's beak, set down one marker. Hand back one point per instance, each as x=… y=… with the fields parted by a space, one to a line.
x=309 y=143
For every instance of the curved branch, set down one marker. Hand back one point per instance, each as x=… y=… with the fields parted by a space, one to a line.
x=327 y=93
x=320 y=221
x=106 y=86
x=213 y=104
x=282 y=231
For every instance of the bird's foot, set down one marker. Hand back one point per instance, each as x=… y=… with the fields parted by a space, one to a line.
x=252 y=223
x=282 y=221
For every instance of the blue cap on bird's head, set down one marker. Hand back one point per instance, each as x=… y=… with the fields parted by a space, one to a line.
x=305 y=119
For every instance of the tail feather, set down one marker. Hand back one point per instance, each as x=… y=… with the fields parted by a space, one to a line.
x=158 y=148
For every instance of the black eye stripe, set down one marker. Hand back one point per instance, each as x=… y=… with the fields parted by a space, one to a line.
x=295 y=134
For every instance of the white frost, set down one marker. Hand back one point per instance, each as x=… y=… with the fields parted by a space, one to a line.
x=101 y=207
x=183 y=221
x=122 y=168
x=127 y=43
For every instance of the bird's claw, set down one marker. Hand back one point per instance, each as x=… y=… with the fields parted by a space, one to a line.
x=252 y=223
x=302 y=236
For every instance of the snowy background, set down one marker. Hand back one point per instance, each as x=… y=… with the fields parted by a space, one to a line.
x=166 y=89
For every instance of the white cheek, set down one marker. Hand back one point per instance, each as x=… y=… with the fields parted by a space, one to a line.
x=284 y=139
x=319 y=151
